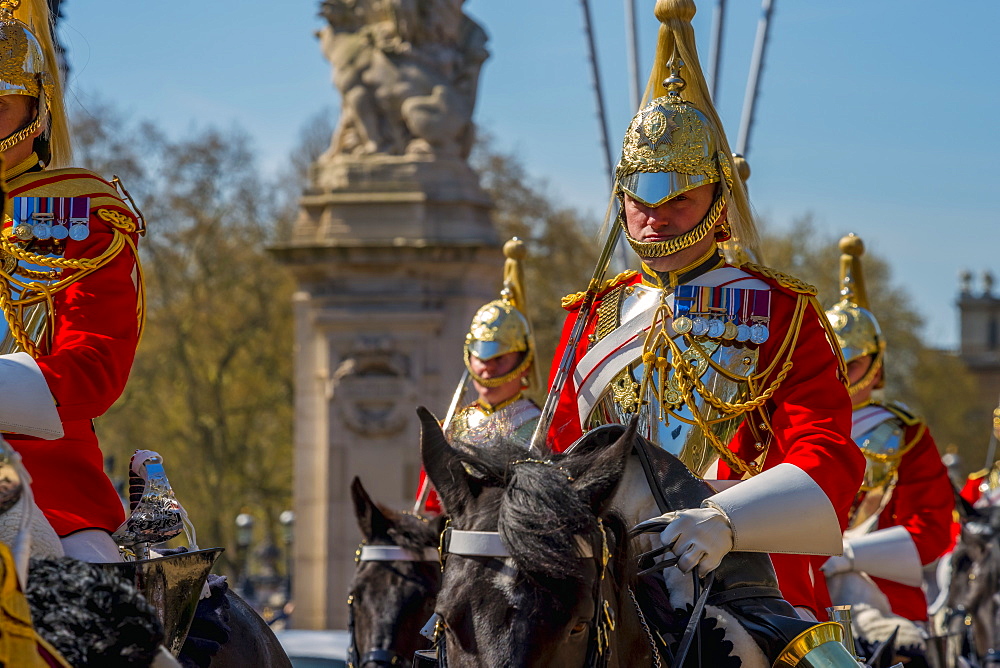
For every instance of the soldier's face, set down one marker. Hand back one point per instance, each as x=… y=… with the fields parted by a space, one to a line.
x=669 y=220
x=856 y=370
x=16 y=111
x=495 y=368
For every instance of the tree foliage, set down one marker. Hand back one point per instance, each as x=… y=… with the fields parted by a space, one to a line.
x=211 y=385
x=934 y=383
x=561 y=252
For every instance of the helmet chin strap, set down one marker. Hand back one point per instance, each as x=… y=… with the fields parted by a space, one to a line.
x=679 y=243
x=15 y=138
x=500 y=380
x=867 y=379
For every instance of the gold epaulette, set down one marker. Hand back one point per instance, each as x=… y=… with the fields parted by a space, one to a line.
x=978 y=475
x=783 y=279
x=571 y=300
x=904 y=414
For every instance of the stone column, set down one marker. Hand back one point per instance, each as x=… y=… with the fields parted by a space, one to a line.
x=393 y=251
x=392 y=255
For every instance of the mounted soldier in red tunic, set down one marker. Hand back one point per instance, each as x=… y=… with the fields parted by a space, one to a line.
x=70 y=290
x=728 y=364
x=901 y=517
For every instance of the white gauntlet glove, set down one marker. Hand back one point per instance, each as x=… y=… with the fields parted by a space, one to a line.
x=889 y=554
x=840 y=564
x=701 y=537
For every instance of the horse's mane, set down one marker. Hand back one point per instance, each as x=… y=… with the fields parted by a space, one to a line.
x=541 y=513
x=410 y=531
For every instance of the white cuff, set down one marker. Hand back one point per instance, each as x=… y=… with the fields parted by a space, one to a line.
x=27 y=406
x=781 y=510
x=721 y=485
x=888 y=554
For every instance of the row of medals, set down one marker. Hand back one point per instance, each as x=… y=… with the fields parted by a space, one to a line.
x=43 y=229
x=718 y=328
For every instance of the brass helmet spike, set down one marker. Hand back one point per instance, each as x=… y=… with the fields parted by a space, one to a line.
x=852 y=284
x=856 y=328
x=674 y=84
x=7 y=8
x=502 y=326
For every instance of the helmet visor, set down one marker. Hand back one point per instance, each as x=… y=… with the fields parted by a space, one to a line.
x=487 y=350
x=654 y=188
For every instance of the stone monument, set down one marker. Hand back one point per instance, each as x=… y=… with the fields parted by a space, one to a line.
x=393 y=251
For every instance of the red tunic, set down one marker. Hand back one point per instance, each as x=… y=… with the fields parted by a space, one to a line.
x=93 y=344
x=971 y=493
x=922 y=503
x=810 y=417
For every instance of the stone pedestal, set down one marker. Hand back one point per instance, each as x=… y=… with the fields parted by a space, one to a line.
x=392 y=255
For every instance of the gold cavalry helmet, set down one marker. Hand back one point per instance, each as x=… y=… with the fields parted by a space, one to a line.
x=675 y=143
x=501 y=326
x=856 y=329
x=28 y=66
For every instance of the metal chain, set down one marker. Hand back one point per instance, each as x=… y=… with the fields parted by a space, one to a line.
x=645 y=627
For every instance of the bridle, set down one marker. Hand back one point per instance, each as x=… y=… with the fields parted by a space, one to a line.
x=488 y=545
x=380 y=657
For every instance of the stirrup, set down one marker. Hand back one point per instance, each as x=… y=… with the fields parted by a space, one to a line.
x=156 y=516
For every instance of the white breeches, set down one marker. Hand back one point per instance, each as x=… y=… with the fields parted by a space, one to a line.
x=92 y=545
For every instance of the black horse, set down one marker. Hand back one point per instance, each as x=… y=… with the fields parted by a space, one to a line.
x=545 y=604
x=539 y=573
x=395 y=585
x=973 y=599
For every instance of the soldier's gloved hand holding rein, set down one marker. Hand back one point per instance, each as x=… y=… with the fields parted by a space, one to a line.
x=701 y=537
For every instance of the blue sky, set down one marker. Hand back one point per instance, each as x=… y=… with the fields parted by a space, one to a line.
x=875 y=116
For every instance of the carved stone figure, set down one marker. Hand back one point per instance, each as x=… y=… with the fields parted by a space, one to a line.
x=407 y=71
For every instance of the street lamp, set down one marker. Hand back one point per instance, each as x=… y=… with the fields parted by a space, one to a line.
x=287 y=521
x=244 y=535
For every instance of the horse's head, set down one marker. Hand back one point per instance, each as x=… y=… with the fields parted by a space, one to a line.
x=533 y=593
x=395 y=584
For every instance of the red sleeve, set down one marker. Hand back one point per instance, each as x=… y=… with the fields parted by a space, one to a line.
x=923 y=500
x=810 y=412
x=96 y=330
x=565 y=428
x=971 y=491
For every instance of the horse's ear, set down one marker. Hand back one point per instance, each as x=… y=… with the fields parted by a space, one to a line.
x=371 y=520
x=442 y=464
x=601 y=471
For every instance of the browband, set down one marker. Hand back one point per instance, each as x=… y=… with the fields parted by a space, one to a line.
x=488 y=544
x=395 y=553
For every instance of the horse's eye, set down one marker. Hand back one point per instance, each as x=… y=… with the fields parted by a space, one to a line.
x=579 y=628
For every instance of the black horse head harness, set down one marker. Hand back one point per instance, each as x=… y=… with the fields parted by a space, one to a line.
x=487 y=544
x=380 y=657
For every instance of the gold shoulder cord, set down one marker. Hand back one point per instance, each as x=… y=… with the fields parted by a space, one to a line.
x=35 y=291
x=688 y=382
x=573 y=298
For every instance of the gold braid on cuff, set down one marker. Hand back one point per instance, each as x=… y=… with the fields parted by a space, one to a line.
x=686 y=240
x=504 y=379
